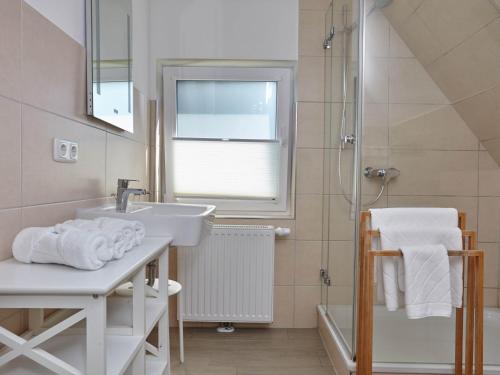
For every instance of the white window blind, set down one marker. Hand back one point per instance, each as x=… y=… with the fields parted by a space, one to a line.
x=244 y=170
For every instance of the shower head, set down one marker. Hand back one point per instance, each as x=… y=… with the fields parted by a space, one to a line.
x=379 y=4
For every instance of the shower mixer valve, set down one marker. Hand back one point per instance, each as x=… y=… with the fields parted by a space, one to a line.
x=348 y=139
x=384 y=173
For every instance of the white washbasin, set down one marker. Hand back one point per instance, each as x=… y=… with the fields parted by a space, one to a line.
x=185 y=223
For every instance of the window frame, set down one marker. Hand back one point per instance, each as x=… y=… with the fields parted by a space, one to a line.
x=285 y=113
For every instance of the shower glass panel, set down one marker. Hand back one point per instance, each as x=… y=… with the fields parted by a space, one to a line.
x=341 y=72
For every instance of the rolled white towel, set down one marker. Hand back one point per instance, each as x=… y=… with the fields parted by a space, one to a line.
x=74 y=247
x=82 y=249
x=140 y=232
x=133 y=231
x=27 y=241
x=116 y=244
x=77 y=223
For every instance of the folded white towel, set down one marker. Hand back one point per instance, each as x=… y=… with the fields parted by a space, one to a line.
x=74 y=247
x=414 y=217
x=27 y=241
x=77 y=223
x=132 y=230
x=116 y=242
x=82 y=249
x=414 y=227
x=427 y=279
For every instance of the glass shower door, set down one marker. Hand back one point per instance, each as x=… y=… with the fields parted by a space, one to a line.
x=341 y=72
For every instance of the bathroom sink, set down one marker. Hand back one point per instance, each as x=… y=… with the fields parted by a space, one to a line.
x=185 y=223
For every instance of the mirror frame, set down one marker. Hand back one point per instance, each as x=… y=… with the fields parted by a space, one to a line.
x=89 y=49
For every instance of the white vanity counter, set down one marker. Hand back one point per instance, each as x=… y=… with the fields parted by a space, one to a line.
x=22 y=278
x=113 y=339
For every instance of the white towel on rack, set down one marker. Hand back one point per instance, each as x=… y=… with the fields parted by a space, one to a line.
x=414 y=217
x=394 y=270
x=427 y=279
x=412 y=227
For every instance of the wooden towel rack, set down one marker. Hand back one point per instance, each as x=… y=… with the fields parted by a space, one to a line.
x=475 y=300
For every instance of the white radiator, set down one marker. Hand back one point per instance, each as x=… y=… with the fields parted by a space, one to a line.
x=229 y=277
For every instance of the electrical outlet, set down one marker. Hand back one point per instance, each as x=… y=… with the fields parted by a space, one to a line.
x=65 y=151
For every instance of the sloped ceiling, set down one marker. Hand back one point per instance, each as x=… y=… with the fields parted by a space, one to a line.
x=458 y=43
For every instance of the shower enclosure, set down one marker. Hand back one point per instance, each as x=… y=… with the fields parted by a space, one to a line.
x=379 y=151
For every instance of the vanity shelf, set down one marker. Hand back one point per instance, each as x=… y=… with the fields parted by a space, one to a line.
x=98 y=332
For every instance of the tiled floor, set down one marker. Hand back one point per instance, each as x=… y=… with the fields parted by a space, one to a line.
x=251 y=352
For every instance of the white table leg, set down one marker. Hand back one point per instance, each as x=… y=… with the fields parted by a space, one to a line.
x=139 y=319
x=163 y=324
x=96 y=331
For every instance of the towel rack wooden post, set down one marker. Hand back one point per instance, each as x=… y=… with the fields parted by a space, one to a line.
x=475 y=299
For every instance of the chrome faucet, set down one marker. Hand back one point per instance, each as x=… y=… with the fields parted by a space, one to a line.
x=123 y=192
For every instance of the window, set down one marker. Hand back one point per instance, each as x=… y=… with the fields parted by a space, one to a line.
x=228 y=138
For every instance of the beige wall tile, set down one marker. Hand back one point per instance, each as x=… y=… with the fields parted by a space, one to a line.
x=342 y=263
x=376 y=80
x=410 y=83
x=493 y=147
x=311 y=32
x=311 y=79
x=306 y=300
x=377 y=35
x=469 y=205
x=432 y=127
x=16 y=323
x=309 y=170
x=309 y=217
x=10 y=225
x=489 y=219
x=284 y=262
x=470 y=67
x=308 y=262
x=482 y=113
x=125 y=159
x=397 y=46
x=49 y=214
x=310 y=125
x=340 y=295
x=434 y=172
x=53 y=71
x=491 y=263
x=399 y=11
x=489 y=175
x=10 y=53
x=452 y=21
x=490 y=297
x=419 y=39
x=283 y=306
x=375 y=125
x=46 y=181
x=10 y=153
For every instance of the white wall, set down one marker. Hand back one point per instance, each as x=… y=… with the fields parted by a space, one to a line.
x=140 y=43
x=68 y=15
x=223 y=29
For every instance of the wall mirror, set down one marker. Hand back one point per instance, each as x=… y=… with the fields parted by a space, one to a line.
x=109 y=62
